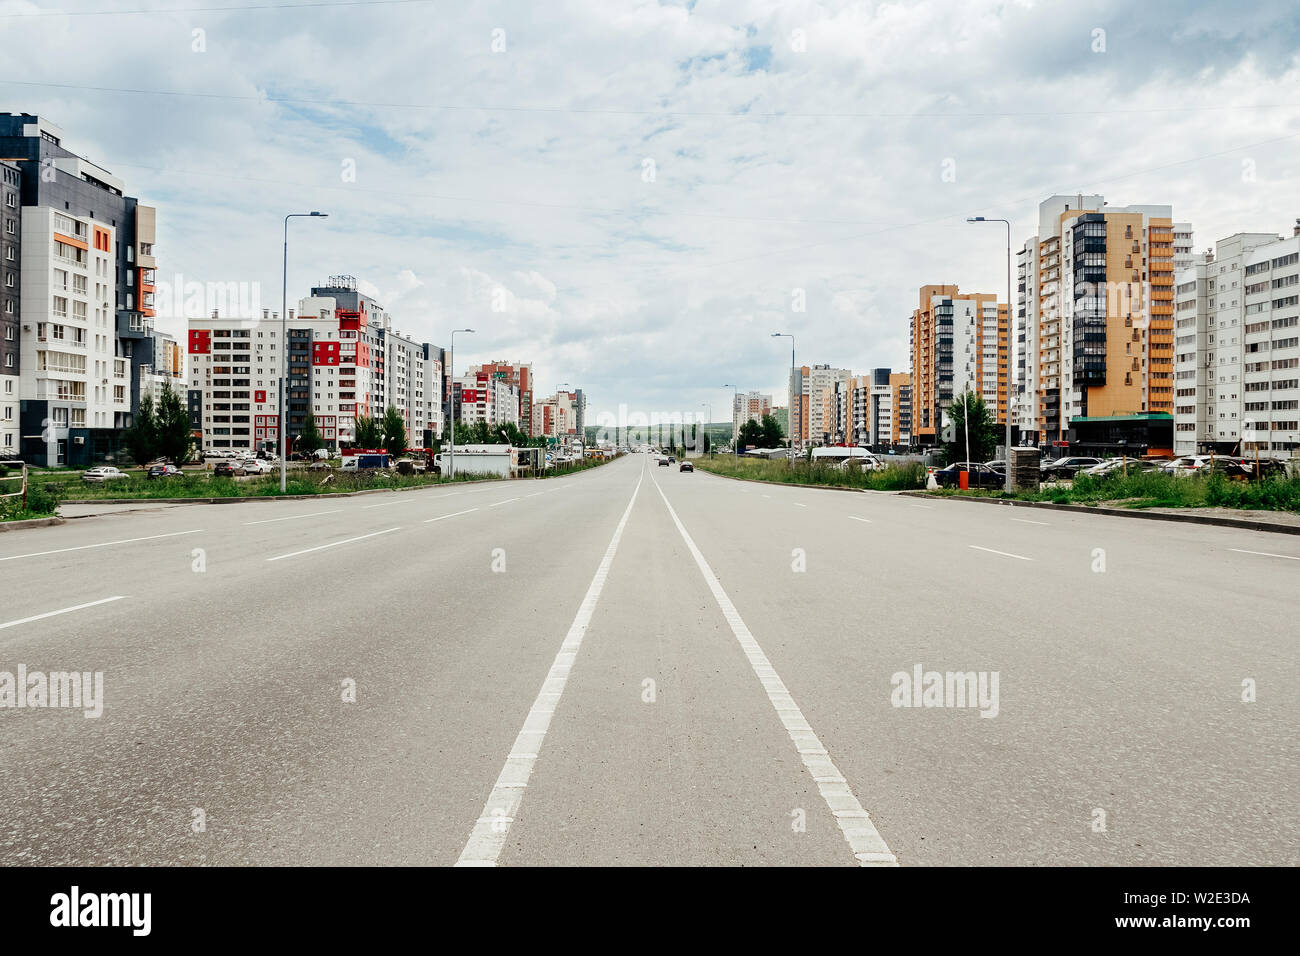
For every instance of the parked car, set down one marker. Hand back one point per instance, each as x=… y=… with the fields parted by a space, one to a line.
x=686 y=466
x=1231 y=468
x=980 y=476
x=1066 y=467
x=163 y=471
x=256 y=466
x=663 y=462
x=228 y=469
x=102 y=473
x=998 y=465
x=1192 y=464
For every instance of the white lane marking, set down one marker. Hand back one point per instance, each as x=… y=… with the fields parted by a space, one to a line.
x=314 y=514
x=534 y=494
x=66 y=610
x=1005 y=554
x=926 y=507
x=385 y=504
x=868 y=846
x=1266 y=554
x=767 y=496
x=102 y=544
x=864 y=520
x=797 y=505
x=332 y=544
x=452 y=515
x=493 y=825
x=1027 y=521
x=506 y=502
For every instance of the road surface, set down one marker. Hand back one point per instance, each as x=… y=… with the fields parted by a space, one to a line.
x=638 y=666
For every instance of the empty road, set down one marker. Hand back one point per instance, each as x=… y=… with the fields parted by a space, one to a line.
x=639 y=666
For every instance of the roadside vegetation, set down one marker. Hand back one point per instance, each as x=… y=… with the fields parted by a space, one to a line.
x=890 y=478
x=42 y=502
x=1155 y=490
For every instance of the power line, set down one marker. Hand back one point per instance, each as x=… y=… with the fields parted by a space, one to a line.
x=661 y=114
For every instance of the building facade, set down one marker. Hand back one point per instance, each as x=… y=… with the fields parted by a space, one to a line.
x=519 y=375
x=748 y=407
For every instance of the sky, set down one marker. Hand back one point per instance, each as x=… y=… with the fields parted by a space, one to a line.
x=634 y=195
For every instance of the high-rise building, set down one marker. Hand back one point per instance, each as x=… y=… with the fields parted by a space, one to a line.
x=519 y=375
x=1237 y=344
x=959 y=341
x=485 y=397
x=748 y=407
x=10 y=292
x=80 y=292
x=812 y=403
x=561 y=416
x=1095 y=314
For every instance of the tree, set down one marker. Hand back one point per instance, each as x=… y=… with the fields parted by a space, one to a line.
x=310 y=440
x=983 y=429
x=706 y=443
x=751 y=433
x=141 y=438
x=367 y=432
x=394 y=432
x=773 y=436
x=175 y=437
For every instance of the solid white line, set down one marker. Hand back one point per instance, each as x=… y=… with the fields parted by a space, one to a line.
x=1004 y=554
x=868 y=846
x=452 y=515
x=856 y=518
x=104 y=544
x=332 y=544
x=1027 y=521
x=493 y=825
x=506 y=502
x=1266 y=554
x=314 y=514
x=66 y=610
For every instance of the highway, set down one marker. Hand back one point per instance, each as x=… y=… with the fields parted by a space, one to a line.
x=637 y=666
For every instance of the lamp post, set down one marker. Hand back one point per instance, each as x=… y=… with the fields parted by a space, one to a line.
x=451 y=427
x=1007 y=223
x=735 y=431
x=284 y=340
x=709 y=406
x=789 y=411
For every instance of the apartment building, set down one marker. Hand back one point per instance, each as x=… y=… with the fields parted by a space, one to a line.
x=484 y=397
x=748 y=407
x=520 y=376
x=560 y=416
x=1237 y=367
x=812 y=403
x=900 y=387
x=344 y=360
x=1096 y=314
x=10 y=291
x=959 y=341
x=80 y=299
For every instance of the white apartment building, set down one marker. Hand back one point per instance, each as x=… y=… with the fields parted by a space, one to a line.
x=481 y=397
x=1237 y=362
x=748 y=407
x=69 y=341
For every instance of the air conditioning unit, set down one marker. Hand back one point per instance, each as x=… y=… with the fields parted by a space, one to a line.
x=79 y=441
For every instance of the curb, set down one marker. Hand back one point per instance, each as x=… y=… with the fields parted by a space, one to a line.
x=29 y=523
x=1242 y=524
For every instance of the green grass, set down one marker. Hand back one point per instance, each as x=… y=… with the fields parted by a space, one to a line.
x=1155 y=490
x=199 y=484
x=41 y=503
x=890 y=478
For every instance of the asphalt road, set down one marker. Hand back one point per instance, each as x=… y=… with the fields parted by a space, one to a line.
x=639 y=666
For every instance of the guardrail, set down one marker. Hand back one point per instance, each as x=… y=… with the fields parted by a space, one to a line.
x=21 y=477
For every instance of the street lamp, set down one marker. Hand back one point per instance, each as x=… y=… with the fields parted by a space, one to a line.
x=1007 y=223
x=789 y=414
x=284 y=340
x=451 y=405
x=709 y=406
x=735 y=431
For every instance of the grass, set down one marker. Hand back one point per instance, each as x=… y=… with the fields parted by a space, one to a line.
x=1155 y=490
x=42 y=502
x=890 y=478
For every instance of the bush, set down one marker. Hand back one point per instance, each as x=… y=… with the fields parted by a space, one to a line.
x=890 y=478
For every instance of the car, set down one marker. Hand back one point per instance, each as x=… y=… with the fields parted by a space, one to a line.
x=1066 y=467
x=1192 y=464
x=980 y=476
x=686 y=466
x=998 y=465
x=663 y=462
x=102 y=473
x=228 y=469
x=163 y=471
x=1231 y=468
x=672 y=459
x=256 y=466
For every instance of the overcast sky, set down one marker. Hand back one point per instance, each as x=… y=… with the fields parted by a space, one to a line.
x=644 y=186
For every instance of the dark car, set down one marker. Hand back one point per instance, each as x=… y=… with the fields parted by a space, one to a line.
x=1066 y=467
x=981 y=476
x=1230 y=468
x=227 y=469
x=663 y=462
x=164 y=471
x=686 y=466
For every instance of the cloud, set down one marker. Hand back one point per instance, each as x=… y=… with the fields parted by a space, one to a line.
x=793 y=146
